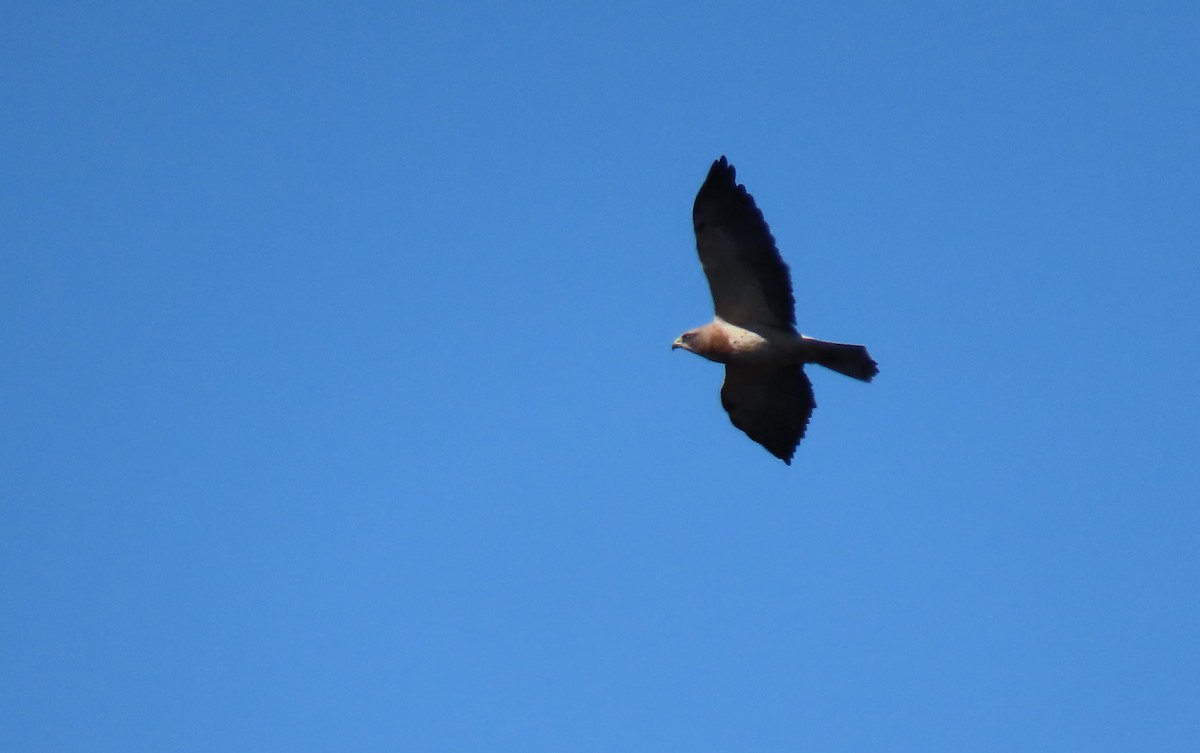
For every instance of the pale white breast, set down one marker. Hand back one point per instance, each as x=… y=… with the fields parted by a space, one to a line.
x=762 y=344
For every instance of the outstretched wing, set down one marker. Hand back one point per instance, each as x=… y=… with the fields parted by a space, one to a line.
x=747 y=277
x=771 y=404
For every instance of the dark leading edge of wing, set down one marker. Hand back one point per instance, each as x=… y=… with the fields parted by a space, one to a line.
x=737 y=250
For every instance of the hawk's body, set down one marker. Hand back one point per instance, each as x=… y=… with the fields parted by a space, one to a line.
x=766 y=392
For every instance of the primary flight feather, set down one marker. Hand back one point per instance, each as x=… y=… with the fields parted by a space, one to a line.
x=766 y=392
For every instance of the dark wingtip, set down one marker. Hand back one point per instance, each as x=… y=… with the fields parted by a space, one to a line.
x=783 y=453
x=723 y=171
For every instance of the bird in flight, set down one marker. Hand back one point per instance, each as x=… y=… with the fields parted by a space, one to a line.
x=766 y=392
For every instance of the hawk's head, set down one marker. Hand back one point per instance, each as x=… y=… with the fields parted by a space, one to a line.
x=690 y=340
x=707 y=341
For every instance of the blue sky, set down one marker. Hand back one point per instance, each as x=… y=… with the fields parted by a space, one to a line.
x=340 y=412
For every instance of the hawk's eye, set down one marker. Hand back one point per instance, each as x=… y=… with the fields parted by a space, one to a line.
x=687 y=336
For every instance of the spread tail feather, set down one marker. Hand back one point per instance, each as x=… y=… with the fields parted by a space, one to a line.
x=851 y=360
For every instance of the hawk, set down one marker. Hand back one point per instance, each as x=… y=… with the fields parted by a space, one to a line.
x=766 y=392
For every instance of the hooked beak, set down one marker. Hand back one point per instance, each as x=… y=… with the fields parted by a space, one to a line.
x=677 y=344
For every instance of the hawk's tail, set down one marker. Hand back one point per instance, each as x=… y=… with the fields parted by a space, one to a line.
x=851 y=360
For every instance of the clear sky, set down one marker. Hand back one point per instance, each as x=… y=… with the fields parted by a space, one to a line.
x=339 y=412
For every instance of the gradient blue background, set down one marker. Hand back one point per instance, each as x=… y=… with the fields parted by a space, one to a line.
x=339 y=413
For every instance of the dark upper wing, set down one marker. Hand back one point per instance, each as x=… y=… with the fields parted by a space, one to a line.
x=748 y=279
x=772 y=405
